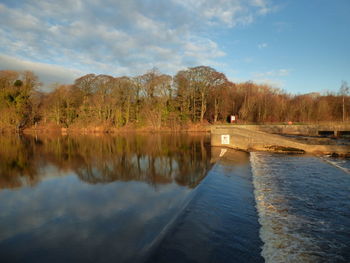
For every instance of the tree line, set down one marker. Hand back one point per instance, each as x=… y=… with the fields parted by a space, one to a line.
x=195 y=95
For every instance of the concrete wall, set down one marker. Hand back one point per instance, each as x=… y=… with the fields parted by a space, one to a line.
x=256 y=140
x=310 y=130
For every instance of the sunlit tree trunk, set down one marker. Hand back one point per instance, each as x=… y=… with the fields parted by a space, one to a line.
x=203 y=106
x=216 y=109
x=343 y=108
x=127 y=111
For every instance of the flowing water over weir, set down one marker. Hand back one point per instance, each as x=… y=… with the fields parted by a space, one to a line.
x=304 y=207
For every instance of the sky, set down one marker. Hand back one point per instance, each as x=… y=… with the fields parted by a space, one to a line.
x=295 y=45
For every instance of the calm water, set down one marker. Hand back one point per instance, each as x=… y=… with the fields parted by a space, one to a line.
x=168 y=198
x=144 y=198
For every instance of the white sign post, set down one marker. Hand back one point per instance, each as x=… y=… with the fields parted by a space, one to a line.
x=225 y=139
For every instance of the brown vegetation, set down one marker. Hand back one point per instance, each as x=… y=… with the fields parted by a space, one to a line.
x=194 y=96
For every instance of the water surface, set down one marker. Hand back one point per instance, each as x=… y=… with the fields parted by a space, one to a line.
x=135 y=198
x=304 y=207
x=168 y=198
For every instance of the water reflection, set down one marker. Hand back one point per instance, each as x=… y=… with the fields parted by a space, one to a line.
x=94 y=199
x=155 y=159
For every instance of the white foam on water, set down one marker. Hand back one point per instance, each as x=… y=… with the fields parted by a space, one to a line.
x=339 y=163
x=279 y=228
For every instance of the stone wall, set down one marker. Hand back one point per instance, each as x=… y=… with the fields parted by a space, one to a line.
x=239 y=137
x=309 y=130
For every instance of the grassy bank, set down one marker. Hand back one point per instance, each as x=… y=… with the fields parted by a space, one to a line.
x=88 y=129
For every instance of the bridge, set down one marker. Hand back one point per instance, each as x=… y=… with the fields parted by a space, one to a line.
x=275 y=138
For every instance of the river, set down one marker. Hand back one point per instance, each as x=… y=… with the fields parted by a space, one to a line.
x=167 y=198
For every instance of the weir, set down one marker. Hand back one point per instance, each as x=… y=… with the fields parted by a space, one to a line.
x=270 y=138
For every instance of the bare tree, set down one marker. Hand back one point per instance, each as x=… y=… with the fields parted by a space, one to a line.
x=344 y=91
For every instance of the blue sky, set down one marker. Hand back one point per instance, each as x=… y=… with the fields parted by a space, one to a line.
x=297 y=45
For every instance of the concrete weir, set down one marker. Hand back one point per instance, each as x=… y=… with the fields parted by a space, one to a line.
x=251 y=139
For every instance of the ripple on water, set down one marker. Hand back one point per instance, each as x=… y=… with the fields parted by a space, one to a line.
x=303 y=207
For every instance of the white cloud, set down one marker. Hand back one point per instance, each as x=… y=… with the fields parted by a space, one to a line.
x=228 y=12
x=263 y=6
x=119 y=37
x=46 y=72
x=273 y=78
x=202 y=48
x=262 y=45
x=272 y=73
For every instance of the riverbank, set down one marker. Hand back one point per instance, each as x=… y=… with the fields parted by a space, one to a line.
x=101 y=129
x=245 y=137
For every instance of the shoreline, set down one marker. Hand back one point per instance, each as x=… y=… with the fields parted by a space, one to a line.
x=101 y=129
x=297 y=144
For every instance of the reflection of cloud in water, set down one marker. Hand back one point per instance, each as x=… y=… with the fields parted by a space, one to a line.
x=90 y=199
x=120 y=216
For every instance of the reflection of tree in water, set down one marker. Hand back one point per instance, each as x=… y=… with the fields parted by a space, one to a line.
x=16 y=162
x=155 y=159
